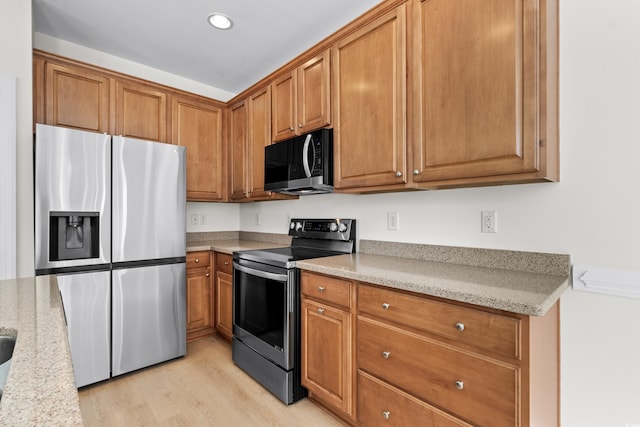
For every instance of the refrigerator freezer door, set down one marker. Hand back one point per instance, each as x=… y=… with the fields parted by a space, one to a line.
x=149 y=200
x=87 y=307
x=149 y=316
x=72 y=174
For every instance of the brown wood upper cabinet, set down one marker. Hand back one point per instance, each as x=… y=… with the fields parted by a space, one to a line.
x=71 y=97
x=249 y=133
x=301 y=99
x=141 y=111
x=484 y=92
x=197 y=125
x=369 y=78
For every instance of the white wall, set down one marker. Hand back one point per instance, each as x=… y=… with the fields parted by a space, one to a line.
x=15 y=51
x=593 y=213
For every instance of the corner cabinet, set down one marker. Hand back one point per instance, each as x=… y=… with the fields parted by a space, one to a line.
x=199 y=295
x=249 y=132
x=301 y=98
x=197 y=125
x=369 y=78
x=484 y=92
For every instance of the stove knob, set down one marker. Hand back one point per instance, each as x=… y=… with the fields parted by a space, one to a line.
x=298 y=226
x=292 y=226
x=333 y=227
x=343 y=227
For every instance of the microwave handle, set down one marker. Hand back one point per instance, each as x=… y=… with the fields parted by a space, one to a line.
x=305 y=156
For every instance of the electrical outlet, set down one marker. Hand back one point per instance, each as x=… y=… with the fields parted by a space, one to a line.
x=258 y=218
x=203 y=219
x=489 y=222
x=393 y=221
x=194 y=219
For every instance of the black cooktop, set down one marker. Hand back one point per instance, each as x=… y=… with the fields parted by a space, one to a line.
x=283 y=257
x=310 y=238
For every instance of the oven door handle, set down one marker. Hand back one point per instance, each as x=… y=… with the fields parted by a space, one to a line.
x=263 y=274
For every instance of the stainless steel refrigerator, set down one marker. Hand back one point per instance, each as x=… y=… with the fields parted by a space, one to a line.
x=110 y=222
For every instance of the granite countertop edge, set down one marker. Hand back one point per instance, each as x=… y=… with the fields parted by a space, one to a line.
x=495 y=288
x=40 y=387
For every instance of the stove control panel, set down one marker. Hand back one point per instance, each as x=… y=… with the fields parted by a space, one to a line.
x=327 y=229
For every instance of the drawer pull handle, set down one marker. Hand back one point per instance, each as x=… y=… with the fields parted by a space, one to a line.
x=386 y=415
x=386 y=305
x=321 y=288
x=226 y=263
x=460 y=326
x=321 y=310
x=459 y=385
x=197 y=260
x=386 y=354
x=207 y=274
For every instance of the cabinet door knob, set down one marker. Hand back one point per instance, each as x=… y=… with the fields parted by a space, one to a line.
x=460 y=326
x=226 y=263
x=197 y=260
x=386 y=415
x=386 y=354
x=416 y=172
x=207 y=274
x=459 y=385
x=299 y=125
x=321 y=288
x=386 y=305
x=291 y=128
x=321 y=310
x=398 y=174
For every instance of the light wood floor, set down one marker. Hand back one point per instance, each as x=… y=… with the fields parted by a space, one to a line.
x=204 y=388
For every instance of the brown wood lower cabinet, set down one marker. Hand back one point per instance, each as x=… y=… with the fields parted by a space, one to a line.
x=327 y=357
x=418 y=360
x=199 y=295
x=224 y=294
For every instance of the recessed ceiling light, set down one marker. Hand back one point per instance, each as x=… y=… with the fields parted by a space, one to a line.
x=220 y=21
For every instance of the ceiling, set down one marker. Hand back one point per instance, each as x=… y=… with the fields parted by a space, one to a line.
x=175 y=36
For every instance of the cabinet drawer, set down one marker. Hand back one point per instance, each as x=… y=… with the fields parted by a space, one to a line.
x=198 y=259
x=483 y=330
x=480 y=390
x=224 y=262
x=380 y=404
x=326 y=289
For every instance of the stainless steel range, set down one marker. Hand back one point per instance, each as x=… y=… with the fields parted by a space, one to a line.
x=266 y=302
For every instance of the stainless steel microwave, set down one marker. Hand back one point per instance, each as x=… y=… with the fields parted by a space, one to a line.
x=301 y=165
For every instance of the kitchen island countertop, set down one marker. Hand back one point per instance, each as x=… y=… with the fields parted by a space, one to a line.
x=40 y=387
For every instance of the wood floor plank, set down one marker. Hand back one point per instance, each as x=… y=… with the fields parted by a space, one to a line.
x=204 y=388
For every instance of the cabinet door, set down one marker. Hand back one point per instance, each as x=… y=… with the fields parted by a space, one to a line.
x=326 y=354
x=141 y=111
x=283 y=120
x=197 y=126
x=77 y=98
x=475 y=90
x=370 y=104
x=238 y=140
x=224 y=304
x=314 y=93
x=199 y=303
x=259 y=137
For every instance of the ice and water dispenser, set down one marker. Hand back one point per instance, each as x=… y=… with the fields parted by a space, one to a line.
x=74 y=235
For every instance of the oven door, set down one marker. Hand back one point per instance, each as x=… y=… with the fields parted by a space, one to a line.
x=264 y=310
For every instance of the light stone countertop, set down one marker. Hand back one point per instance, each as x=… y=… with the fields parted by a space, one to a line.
x=528 y=293
x=40 y=388
x=230 y=246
